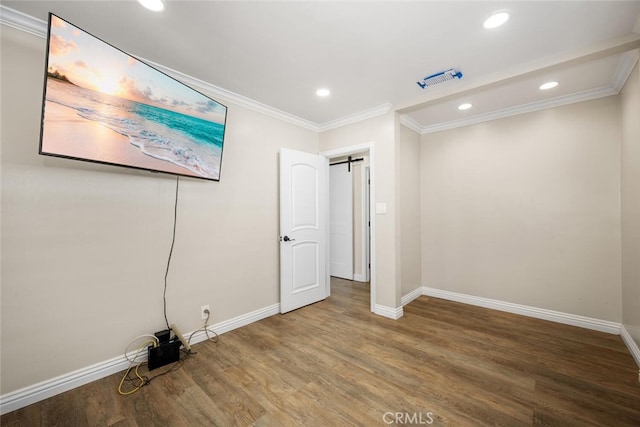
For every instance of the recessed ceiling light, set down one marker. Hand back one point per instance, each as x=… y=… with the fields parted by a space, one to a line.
x=464 y=106
x=155 y=5
x=548 y=85
x=323 y=92
x=496 y=20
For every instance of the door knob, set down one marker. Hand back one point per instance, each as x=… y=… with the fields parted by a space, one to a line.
x=287 y=239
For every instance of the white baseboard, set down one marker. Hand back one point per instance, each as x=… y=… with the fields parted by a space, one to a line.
x=631 y=344
x=411 y=296
x=49 y=388
x=390 y=312
x=538 y=313
x=360 y=278
x=34 y=393
x=26 y=396
x=236 y=322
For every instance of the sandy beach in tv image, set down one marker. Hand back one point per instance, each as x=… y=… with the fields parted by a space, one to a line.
x=104 y=105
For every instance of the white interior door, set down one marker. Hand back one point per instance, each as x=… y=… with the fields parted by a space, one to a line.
x=341 y=221
x=303 y=229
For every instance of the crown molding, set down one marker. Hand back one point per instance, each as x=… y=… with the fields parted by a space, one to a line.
x=411 y=123
x=234 y=98
x=357 y=117
x=37 y=27
x=628 y=60
x=20 y=21
x=616 y=45
x=522 y=109
x=23 y=22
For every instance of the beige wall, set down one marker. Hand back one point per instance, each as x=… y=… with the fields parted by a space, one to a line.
x=409 y=185
x=380 y=131
x=85 y=246
x=630 y=122
x=524 y=210
x=527 y=209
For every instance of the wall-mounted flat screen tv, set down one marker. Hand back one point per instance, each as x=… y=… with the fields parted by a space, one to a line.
x=102 y=105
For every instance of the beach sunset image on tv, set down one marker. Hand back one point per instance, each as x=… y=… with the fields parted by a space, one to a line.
x=106 y=106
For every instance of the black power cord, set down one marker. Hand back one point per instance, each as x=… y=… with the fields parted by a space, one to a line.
x=140 y=380
x=173 y=240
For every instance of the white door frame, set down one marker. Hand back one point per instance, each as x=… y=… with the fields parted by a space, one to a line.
x=366 y=220
x=361 y=148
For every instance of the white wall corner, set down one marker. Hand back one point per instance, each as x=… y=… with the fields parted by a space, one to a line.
x=524 y=310
x=411 y=296
x=389 y=312
x=35 y=393
x=631 y=344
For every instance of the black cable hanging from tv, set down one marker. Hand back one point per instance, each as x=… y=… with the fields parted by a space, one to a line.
x=173 y=240
x=348 y=161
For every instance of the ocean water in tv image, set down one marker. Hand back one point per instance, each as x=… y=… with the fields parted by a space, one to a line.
x=189 y=142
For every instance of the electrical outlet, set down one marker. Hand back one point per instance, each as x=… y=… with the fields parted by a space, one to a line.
x=203 y=312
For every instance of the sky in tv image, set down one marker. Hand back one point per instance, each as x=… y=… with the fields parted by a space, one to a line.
x=104 y=105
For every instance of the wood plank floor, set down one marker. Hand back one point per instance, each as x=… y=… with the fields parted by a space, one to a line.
x=335 y=364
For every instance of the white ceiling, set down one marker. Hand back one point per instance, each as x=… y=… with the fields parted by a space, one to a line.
x=370 y=54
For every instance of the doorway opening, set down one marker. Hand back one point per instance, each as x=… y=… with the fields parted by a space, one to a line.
x=352 y=225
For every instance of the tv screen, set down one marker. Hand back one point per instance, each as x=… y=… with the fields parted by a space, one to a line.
x=102 y=105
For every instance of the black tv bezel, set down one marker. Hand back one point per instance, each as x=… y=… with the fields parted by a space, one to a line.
x=122 y=165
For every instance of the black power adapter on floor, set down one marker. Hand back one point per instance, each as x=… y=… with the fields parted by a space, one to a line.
x=163 y=336
x=165 y=353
